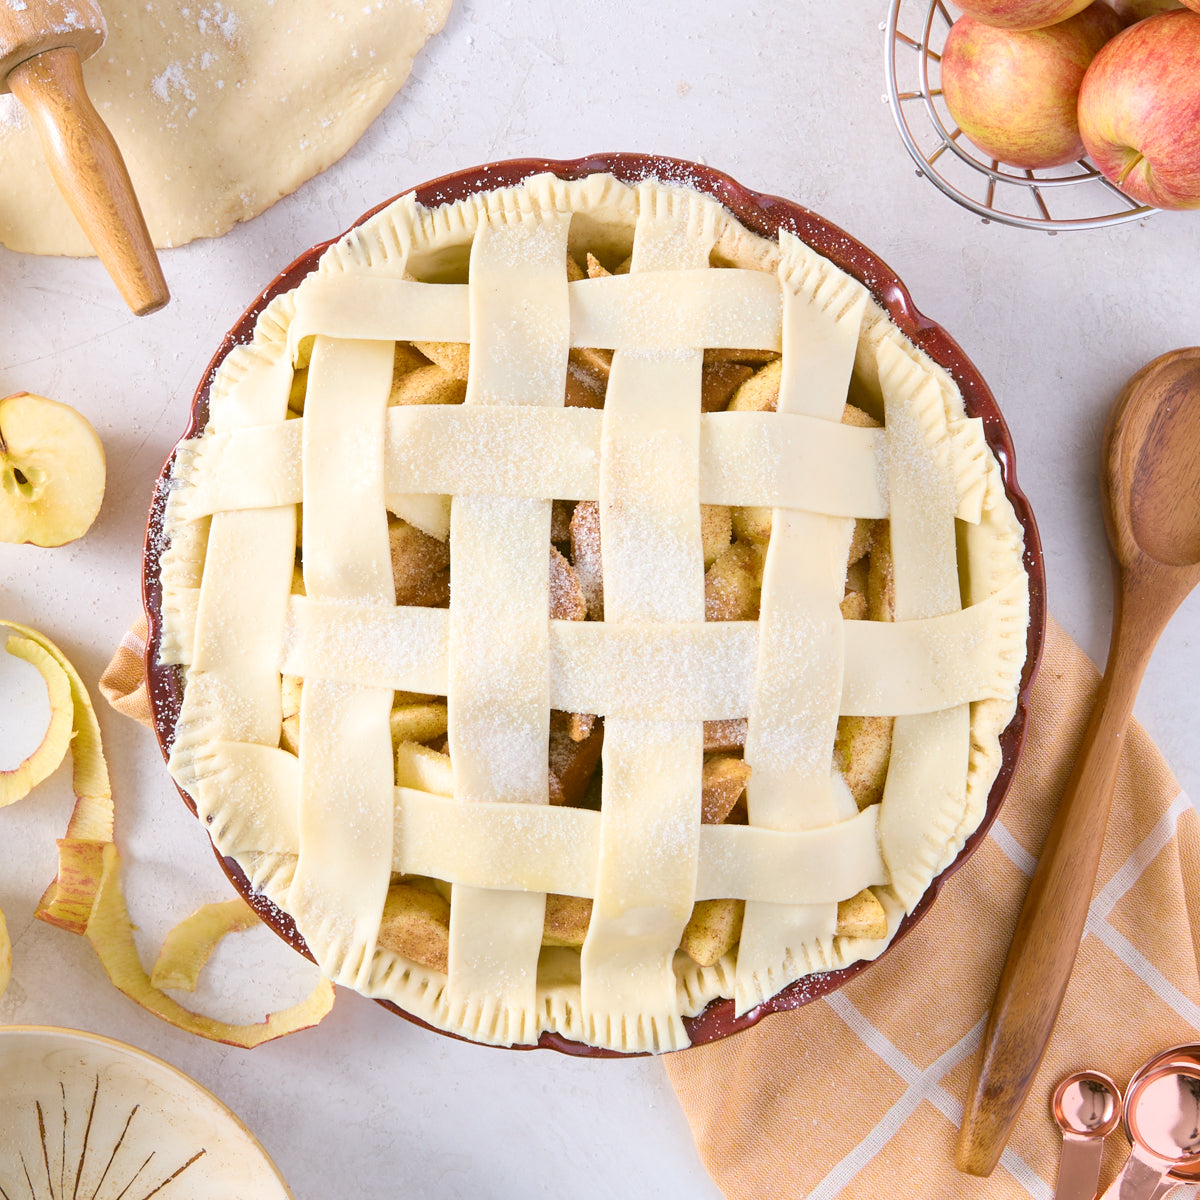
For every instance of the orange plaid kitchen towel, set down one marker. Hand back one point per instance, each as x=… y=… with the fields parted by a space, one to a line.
x=123 y=683
x=860 y=1095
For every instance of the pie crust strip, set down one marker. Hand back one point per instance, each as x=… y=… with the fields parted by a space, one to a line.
x=994 y=549
x=345 y=810
x=699 y=671
x=653 y=571
x=925 y=793
x=250 y=390
x=486 y=845
x=241 y=601
x=498 y=674
x=687 y=310
x=798 y=686
x=768 y=460
x=680 y=309
x=763 y=459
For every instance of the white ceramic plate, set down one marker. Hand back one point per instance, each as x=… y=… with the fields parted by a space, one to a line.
x=90 y=1118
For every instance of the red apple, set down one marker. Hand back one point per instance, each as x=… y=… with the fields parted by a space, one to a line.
x=1021 y=14
x=1138 y=10
x=1014 y=93
x=1139 y=110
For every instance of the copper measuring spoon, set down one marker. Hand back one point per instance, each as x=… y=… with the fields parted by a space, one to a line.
x=1087 y=1107
x=1151 y=470
x=1162 y=1119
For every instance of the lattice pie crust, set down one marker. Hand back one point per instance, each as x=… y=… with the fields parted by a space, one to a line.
x=326 y=832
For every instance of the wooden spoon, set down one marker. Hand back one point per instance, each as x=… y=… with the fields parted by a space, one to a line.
x=1151 y=473
x=42 y=46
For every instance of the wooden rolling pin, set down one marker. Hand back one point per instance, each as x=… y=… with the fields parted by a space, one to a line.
x=42 y=47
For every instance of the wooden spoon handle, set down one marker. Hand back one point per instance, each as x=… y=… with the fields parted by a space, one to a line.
x=90 y=173
x=1052 y=920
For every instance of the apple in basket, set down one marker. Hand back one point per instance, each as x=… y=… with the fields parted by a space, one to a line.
x=1139 y=110
x=1021 y=14
x=1138 y=10
x=1014 y=93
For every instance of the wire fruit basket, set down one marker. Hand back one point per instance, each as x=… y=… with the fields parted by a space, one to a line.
x=1073 y=196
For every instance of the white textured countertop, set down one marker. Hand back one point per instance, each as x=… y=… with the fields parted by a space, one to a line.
x=787 y=99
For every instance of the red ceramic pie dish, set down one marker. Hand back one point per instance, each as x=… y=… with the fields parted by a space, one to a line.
x=762 y=214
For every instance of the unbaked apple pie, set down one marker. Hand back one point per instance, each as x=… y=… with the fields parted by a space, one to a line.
x=588 y=608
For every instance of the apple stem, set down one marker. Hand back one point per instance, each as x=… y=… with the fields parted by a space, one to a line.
x=1133 y=162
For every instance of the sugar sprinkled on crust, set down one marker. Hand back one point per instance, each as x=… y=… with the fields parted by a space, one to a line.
x=573 y=590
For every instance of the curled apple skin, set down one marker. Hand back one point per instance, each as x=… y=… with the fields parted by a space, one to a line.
x=17 y=782
x=85 y=897
x=51 y=471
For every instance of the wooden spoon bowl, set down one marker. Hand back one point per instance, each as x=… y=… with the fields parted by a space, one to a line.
x=1152 y=451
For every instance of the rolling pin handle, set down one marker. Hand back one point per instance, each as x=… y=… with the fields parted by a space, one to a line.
x=90 y=173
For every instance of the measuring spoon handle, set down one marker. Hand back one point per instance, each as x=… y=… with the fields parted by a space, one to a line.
x=1143 y=1177
x=1079 y=1167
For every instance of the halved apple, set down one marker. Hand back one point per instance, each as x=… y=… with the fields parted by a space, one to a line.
x=51 y=471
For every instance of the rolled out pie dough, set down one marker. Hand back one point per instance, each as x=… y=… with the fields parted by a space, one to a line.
x=219 y=109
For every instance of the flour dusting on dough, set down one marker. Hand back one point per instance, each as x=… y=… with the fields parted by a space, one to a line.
x=219 y=107
x=12 y=115
x=172 y=77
